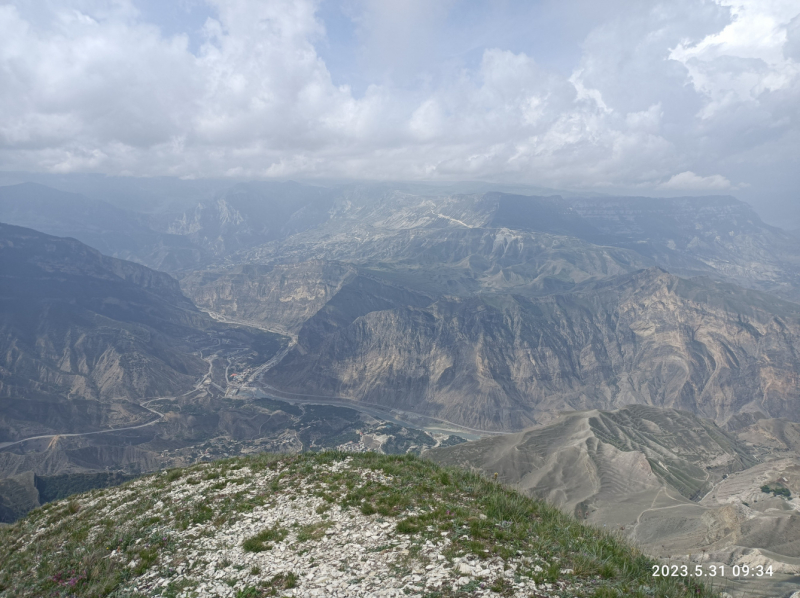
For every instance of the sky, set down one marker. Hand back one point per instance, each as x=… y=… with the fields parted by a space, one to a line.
x=637 y=97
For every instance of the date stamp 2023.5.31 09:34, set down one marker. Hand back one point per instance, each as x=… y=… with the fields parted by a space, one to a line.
x=711 y=571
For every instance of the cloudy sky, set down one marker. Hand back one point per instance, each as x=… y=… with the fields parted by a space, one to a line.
x=673 y=97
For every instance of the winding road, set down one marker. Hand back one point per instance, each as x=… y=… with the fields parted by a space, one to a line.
x=197 y=386
x=418 y=421
x=5 y=445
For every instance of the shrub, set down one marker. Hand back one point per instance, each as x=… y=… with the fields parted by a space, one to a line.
x=776 y=490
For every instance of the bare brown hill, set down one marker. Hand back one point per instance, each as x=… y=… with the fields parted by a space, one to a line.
x=677 y=485
x=590 y=460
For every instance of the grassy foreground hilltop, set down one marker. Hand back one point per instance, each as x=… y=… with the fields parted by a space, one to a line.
x=318 y=524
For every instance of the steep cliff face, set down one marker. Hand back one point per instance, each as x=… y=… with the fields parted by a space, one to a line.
x=76 y=325
x=501 y=362
x=531 y=305
x=454 y=262
x=280 y=297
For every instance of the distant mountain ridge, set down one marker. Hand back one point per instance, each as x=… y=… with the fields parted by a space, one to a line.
x=250 y=214
x=717 y=236
x=109 y=229
x=279 y=222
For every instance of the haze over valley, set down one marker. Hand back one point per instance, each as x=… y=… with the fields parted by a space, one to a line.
x=368 y=317
x=555 y=245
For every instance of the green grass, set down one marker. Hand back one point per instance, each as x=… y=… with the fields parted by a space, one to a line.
x=421 y=500
x=196 y=515
x=283 y=581
x=312 y=531
x=174 y=474
x=261 y=541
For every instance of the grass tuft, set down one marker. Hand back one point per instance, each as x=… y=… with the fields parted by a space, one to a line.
x=174 y=474
x=313 y=531
x=260 y=542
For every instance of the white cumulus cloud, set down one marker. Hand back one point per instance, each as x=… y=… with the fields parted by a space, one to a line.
x=689 y=181
x=660 y=88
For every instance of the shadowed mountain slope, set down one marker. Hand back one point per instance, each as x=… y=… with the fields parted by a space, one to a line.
x=18 y=495
x=83 y=335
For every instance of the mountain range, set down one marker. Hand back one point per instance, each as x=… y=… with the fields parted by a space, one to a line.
x=632 y=360
x=648 y=337
x=528 y=305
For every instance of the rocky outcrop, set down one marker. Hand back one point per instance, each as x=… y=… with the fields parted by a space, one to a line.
x=280 y=297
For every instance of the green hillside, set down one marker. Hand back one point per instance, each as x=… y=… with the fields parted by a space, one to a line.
x=330 y=523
